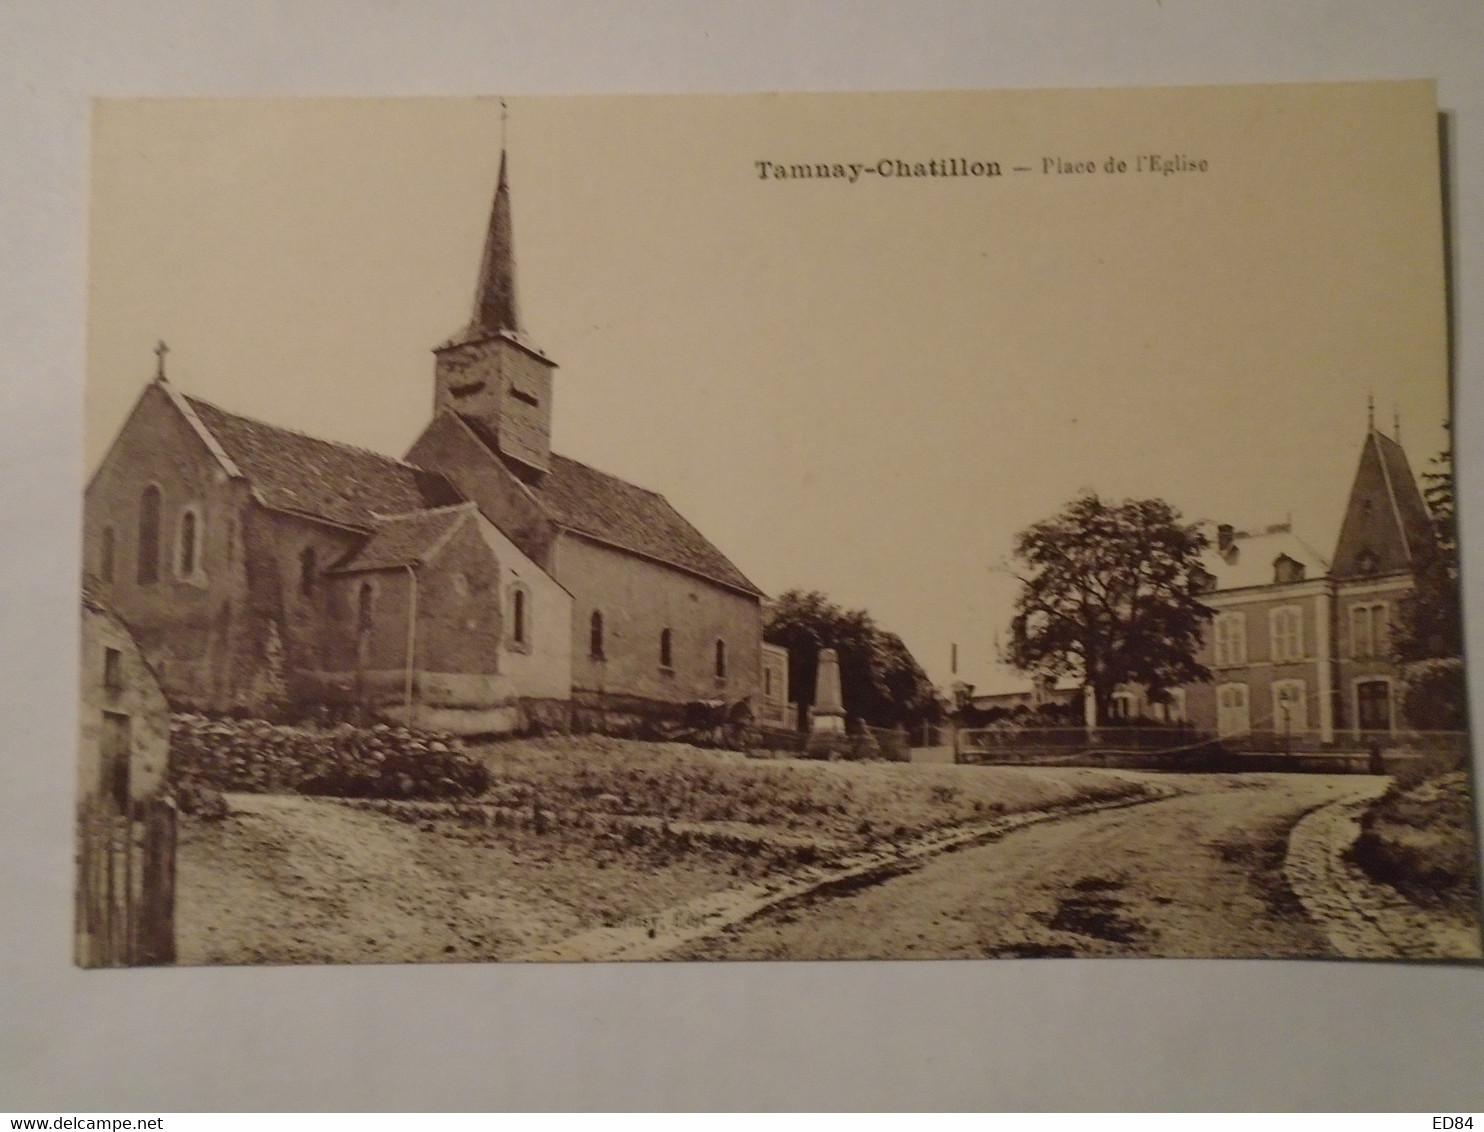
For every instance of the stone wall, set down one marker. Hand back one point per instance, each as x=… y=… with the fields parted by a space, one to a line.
x=638 y=600
x=189 y=625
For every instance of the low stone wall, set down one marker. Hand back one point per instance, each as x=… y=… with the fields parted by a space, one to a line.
x=255 y=756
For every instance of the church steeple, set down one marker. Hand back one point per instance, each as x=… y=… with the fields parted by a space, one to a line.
x=490 y=373
x=495 y=306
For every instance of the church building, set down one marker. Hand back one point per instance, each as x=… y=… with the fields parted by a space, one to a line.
x=480 y=584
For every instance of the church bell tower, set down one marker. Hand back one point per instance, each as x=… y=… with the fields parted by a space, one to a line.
x=490 y=373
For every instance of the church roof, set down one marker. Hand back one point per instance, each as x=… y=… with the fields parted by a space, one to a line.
x=406 y=540
x=1250 y=561
x=325 y=479
x=615 y=511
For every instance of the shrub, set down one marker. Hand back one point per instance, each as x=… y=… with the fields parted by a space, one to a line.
x=1436 y=695
x=255 y=756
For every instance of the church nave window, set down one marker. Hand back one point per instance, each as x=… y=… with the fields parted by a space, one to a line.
x=721 y=660
x=308 y=571
x=364 y=603
x=595 y=636
x=520 y=616
x=667 y=652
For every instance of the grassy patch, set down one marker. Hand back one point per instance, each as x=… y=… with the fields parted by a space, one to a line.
x=1420 y=840
x=848 y=805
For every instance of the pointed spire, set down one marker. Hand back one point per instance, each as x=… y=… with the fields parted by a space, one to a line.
x=494 y=297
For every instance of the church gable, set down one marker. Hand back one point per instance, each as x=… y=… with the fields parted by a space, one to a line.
x=1386 y=523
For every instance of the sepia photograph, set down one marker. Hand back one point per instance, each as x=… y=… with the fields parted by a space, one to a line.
x=953 y=525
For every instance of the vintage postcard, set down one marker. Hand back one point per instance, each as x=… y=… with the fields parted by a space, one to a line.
x=938 y=525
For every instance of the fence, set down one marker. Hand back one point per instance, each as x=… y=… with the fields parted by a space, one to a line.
x=1178 y=747
x=125 y=887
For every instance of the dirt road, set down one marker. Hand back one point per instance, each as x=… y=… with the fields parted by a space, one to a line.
x=1200 y=874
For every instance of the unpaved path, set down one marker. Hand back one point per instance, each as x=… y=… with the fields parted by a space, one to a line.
x=1200 y=874
x=655 y=936
x=1363 y=919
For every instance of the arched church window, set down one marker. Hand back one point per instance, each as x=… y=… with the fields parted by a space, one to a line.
x=721 y=660
x=149 y=536
x=105 y=555
x=188 y=552
x=364 y=604
x=308 y=571
x=667 y=657
x=595 y=636
x=519 y=616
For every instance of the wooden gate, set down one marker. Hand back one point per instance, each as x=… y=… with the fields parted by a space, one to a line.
x=125 y=883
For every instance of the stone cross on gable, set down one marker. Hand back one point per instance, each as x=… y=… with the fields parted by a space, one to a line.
x=160 y=351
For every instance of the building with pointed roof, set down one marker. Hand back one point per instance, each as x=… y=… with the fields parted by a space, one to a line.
x=1299 y=647
x=470 y=586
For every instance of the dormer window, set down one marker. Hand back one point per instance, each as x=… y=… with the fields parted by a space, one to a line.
x=1286 y=570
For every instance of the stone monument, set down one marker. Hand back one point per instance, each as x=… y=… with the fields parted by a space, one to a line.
x=828 y=716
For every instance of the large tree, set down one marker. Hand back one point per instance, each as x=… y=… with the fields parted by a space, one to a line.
x=1109 y=596
x=880 y=680
x=1430 y=624
x=1428 y=640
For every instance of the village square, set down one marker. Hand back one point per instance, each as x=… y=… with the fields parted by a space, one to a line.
x=480 y=700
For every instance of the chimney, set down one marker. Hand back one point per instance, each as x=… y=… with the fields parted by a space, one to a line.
x=1225 y=536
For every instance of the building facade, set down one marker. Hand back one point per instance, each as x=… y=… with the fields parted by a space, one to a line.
x=1299 y=647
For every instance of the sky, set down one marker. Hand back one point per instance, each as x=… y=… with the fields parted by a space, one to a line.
x=863 y=388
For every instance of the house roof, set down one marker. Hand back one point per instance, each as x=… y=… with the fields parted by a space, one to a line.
x=1251 y=557
x=325 y=479
x=614 y=511
x=405 y=540
x=1386 y=521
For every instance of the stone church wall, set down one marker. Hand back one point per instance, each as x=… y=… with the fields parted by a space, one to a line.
x=638 y=600
x=188 y=624
x=448 y=446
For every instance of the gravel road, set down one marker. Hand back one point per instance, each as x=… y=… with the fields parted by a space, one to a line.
x=1200 y=874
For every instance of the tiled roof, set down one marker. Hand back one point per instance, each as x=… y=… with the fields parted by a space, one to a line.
x=614 y=511
x=605 y=507
x=1250 y=560
x=336 y=482
x=404 y=540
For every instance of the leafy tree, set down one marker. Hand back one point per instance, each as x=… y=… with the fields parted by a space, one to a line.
x=1430 y=619
x=1428 y=641
x=1110 y=595
x=880 y=680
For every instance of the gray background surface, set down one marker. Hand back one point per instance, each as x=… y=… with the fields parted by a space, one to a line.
x=1005 y=1035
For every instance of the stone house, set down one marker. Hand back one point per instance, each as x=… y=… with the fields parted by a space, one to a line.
x=124 y=719
x=1300 y=647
